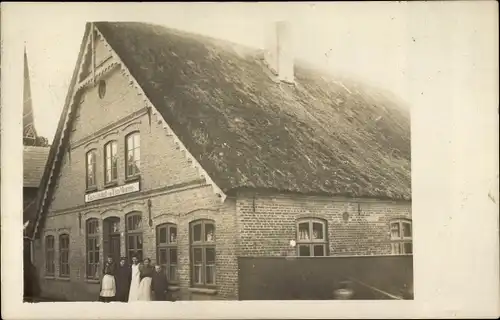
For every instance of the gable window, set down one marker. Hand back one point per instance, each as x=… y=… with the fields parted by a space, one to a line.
x=111 y=162
x=133 y=154
x=311 y=238
x=202 y=235
x=49 y=256
x=166 y=253
x=102 y=89
x=401 y=236
x=134 y=235
x=91 y=168
x=64 y=255
x=92 y=233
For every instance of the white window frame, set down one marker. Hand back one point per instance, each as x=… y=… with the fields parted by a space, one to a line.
x=398 y=242
x=110 y=156
x=93 y=157
x=312 y=242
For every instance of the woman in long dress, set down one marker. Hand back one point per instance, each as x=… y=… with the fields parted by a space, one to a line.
x=123 y=277
x=146 y=278
x=133 y=294
x=108 y=283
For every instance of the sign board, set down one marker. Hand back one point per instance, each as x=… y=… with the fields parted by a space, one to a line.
x=112 y=192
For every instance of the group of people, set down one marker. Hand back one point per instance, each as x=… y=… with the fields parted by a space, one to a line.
x=138 y=282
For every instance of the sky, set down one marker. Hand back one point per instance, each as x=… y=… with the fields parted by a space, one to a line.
x=372 y=41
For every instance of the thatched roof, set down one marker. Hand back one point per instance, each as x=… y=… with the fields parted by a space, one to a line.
x=320 y=136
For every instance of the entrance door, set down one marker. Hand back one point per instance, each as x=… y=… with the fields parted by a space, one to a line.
x=114 y=247
x=112 y=238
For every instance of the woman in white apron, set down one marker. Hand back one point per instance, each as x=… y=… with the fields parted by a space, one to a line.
x=133 y=294
x=108 y=284
x=146 y=278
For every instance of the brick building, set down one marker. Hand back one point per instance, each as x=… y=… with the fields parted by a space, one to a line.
x=193 y=151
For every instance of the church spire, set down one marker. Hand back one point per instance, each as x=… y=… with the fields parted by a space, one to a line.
x=29 y=132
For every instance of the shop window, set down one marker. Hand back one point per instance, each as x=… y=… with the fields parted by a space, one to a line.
x=166 y=253
x=401 y=237
x=202 y=235
x=92 y=248
x=312 y=238
x=133 y=154
x=134 y=236
x=64 y=256
x=49 y=256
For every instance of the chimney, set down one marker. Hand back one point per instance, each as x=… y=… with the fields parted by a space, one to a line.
x=278 y=53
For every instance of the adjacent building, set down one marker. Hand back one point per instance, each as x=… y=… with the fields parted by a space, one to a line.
x=34 y=157
x=193 y=151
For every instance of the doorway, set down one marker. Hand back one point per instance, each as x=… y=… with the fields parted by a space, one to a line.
x=112 y=238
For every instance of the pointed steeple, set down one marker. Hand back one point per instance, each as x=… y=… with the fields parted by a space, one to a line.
x=29 y=131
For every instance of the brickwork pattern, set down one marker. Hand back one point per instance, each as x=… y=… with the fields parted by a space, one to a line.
x=162 y=165
x=268 y=223
x=248 y=225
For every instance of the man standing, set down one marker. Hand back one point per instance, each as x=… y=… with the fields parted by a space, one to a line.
x=159 y=284
x=135 y=280
x=123 y=278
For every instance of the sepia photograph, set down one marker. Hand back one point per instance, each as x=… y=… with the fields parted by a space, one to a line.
x=188 y=167
x=216 y=153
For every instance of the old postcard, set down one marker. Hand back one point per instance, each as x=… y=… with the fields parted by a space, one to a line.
x=245 y=160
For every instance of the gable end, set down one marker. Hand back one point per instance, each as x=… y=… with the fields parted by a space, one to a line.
x=80 y=80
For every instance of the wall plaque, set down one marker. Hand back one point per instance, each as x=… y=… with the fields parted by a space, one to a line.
x=112 y=192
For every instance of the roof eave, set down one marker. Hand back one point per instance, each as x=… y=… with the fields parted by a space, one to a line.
x=58 y=139
x=232 y=192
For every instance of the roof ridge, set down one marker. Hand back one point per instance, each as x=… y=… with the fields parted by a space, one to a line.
x=191 y=34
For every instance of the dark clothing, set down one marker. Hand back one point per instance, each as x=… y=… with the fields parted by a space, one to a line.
x=146 y=272
x=123 y=278
x=109 y=268
x=159 y=285
x=106 y=299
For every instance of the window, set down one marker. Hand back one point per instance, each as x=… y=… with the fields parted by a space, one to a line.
x=102 y=89
x=91 y=168
x=134 y=235
x=92 y=231
x=166 y=254
x=64 y=256
x=49 y=256
x=133 y=154
x=202 y=253
x=111 y=162
x=401 y=236
x=311 y=238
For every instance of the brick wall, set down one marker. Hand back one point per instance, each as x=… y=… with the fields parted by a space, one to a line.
x=167 y=179
x=158 y=170
x=179 y=208
x=267 y=223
